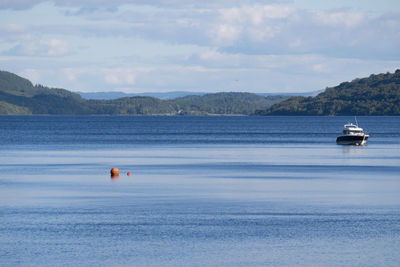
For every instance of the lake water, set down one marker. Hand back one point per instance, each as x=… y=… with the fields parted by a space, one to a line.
x=203 y=191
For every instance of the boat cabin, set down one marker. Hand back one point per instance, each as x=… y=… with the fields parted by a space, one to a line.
x=351 y=129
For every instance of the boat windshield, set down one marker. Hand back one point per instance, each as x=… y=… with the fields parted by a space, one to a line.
x=352 y=131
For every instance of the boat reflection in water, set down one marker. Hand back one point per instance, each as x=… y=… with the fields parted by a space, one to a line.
x=352 y=135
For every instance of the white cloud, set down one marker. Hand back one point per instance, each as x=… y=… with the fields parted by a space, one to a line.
x=31 y=74
x=251 y=29
x=30 y=46
x=295 y=44
x=221 y=60
x=120 y=76
x=226 y=34
x=13 y=32
x=330 y=33
x=255 y=15
x=211 y=54
x=26 y=4
x=321 y=68
x=18 y=4
x=347 y=19
x=250 y=23
x=55 y=47
x=72 y=74
x=263 y=33
x=13 y=27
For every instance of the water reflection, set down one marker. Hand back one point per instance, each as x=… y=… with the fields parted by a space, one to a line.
x=354 y=150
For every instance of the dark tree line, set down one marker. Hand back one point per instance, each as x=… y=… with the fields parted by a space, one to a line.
x=20 y=96
x=375 y=95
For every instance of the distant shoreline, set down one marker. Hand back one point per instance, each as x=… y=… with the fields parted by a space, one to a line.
x=166 y=115
x=377 y=95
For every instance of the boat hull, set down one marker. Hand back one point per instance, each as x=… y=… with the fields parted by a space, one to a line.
x=355 y=140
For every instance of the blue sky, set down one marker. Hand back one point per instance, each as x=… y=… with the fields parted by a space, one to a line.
x=268 y=46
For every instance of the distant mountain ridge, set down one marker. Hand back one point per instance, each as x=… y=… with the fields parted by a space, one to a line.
x=115 y=95
x=374 y=95
x=172 y=94
x=19 y=96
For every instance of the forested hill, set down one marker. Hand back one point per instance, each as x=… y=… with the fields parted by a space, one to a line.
x=20 y=96
x=375 y=95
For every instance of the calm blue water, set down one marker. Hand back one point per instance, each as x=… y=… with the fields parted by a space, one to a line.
x=203 y=191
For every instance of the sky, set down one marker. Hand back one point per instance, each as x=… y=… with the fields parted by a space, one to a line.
x=260 y=46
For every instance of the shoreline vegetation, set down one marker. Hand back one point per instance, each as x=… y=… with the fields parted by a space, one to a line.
x=375 y=95
x=18 y=96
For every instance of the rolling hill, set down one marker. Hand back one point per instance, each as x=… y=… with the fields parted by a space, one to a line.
x=374 y=95
x=20 y=96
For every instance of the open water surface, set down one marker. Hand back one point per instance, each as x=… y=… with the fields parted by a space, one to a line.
x=203 y=191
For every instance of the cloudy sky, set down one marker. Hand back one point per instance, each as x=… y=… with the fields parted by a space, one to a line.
x=204 y=46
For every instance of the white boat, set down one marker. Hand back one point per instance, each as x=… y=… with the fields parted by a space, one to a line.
x=352 y=135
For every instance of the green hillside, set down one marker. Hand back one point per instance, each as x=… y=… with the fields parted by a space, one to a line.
x=20 y=96
x=223 y=103
x=375 y=95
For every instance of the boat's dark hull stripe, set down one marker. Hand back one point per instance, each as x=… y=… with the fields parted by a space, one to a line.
x=351 y=139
